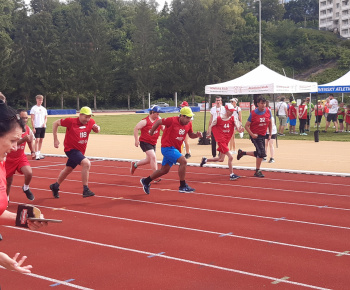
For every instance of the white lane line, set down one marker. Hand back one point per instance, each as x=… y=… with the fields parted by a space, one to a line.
x=206 y=209
x=250 y=177
x=174 y=259
x=199 y=230
x=54 y=280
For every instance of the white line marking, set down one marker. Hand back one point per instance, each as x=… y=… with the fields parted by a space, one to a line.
x=200 y=231
x=54 y=280
x=175 y=259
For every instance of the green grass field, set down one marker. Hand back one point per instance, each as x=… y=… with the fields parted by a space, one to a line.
x=124 y=125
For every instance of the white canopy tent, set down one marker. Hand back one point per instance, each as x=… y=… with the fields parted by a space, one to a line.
x=261 y=80
x=341 y=85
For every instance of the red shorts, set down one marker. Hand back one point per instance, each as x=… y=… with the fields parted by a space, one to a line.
x=223 y=147
x=12 y=165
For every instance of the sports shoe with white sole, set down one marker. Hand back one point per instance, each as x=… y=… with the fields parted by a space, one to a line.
x=145 y=186
x=186 y=188
x=234 y=176
x=258 y=173
x=204 y=161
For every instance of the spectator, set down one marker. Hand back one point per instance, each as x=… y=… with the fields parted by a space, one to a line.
x=216 y=111
x=269 y=141
x=302 y=113
x=318 y=113
x=310 y=108
x=38 y=116
x=282 y=113
x=332 y=104
x=292 y=113
x=341 y=116
x=347 y=119
x=237 y=114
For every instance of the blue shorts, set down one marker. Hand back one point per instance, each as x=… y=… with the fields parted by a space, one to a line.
x=292 y=122
x=170 y=155
x=74 y=158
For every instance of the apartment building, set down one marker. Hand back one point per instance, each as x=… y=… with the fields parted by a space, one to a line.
x=334 y=15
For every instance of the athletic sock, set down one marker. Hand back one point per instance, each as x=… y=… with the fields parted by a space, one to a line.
x=148 y=180
x=135 y=164
x=25 y=187
x=182 y=183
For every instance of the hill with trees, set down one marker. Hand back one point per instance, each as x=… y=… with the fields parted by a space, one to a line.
x=110 y=54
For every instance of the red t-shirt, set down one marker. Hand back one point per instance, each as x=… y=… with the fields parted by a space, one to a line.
x=174 y=133
x=347 y=118
x=292 y=112
x=301 y=110
x=318 y=110
x=145 y=136
x=20 y=148
x=223 y=130
x=3 y=184
x=77 y=134
x=260 y=122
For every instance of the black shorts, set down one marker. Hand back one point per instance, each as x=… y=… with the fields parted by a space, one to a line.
x=318 y=119
x=341 y=121
x=146 y=146
x=259 y=144
x=74 y=158
x=332 y=117
x=273 y=136
x=40 y=132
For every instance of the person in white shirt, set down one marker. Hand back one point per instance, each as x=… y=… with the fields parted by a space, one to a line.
x=282 y=113
x=269 y=141
x=38 y=116
x=237 y=113
x=215 y=111
x=332 y=116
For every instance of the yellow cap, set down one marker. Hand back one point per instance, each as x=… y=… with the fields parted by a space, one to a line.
x=86 y=111
x=186 y=111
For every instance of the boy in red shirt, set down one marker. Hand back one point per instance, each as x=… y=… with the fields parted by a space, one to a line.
x=17 y=160
x=292 y=114
x=146 y=141
x=174 y=134
x=223 y=129
x=256 y=126
x=75 y=142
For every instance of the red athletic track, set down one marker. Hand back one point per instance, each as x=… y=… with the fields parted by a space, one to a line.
x=284 y=225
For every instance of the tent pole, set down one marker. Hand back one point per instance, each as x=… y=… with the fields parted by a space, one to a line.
x=274 y=110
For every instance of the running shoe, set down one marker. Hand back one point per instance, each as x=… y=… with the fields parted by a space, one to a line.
x=37 y=156
x=186 y=188
x=264 y=159
x=234 y=176
x=88 y=193
x=271 y=160
x=145 y=186
x=41 y=156
x=239 y=154
x=132 y=168
x=187 y=155
x=204 y=161
x=258 y=173
x=29 y=194
x=55 y=190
